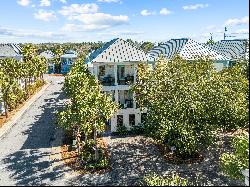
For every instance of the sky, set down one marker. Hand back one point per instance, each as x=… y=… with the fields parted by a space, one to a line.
x=40 y=21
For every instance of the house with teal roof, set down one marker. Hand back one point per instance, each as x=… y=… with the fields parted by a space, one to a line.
x=67 y=60
x=189 y=50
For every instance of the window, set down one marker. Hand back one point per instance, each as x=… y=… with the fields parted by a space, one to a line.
x=131 y=119
x=119 y=120
x=101 y=70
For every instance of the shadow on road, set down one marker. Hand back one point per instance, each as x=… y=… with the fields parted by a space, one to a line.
x=31 y=164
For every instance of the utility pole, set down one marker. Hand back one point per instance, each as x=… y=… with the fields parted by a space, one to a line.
x=225 y=35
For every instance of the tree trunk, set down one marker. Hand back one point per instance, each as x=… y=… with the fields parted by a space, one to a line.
x=95 y=139
x=25 y=84
x=86 y=138
x=78 y=140
x=6 y=108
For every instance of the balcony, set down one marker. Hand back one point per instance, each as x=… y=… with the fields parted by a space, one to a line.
x=125 y=99
x=107 y=80
x=128 y=80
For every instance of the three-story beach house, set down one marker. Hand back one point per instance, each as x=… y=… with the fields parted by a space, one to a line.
x=115 y=66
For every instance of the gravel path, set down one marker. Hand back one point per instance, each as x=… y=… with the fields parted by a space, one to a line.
x=25 y=151
x=134 y=157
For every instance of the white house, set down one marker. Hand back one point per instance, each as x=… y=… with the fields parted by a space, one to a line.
x=115 y=66
x=49 y=56
x=188 y=49
x=10 y=51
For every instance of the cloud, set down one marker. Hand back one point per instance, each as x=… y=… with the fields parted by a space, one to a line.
x=235 y=21
x=24 y=2
x=45 y=3
x=45 y=16
x=165 y=11
x=101 y=19
x=120 y=33
x=195 y=6
x=83 y=28
x=109 y=1
x=28 y=33
x=146 y=13
x=75 y=9
x=241 y=31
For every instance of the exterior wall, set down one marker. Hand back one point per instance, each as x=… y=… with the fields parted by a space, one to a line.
x=125 y=113
x=66 y=64
x=219 y=65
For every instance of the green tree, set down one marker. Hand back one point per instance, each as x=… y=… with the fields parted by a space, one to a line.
x=232 y=164
x=188 y=101
x=147 y=46
x=10 y=89
x=89 y=108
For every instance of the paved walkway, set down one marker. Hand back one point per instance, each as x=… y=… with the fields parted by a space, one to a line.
x=25 y=151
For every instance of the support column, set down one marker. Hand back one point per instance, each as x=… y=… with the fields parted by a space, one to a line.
x=96 y=69
x=134 y=101
x=116 y=96
x=115 y=73
x=135 y=72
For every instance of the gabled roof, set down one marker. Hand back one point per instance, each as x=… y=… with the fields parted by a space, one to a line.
x=117 y=50
x=232 y=49
x=186 y=48
x=10 y=50
x=69 y=54
x=47 y=54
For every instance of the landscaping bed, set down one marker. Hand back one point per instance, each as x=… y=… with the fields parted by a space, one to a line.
x=86 y=164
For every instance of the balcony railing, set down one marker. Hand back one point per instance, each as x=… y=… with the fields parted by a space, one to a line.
x=108 y=81
x=128 y=80
x=127 y=104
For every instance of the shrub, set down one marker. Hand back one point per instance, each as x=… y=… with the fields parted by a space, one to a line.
x=137 y=129
x=87 y=157
x=232 y=164
x=155 y=180
x=122 y=130
x=188 y=101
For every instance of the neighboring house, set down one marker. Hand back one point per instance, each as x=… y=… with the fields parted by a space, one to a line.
x=49 y=57
x=232 y=49
x=115 y=66
x=10 y=51
x=188 y=49
x=67 y=60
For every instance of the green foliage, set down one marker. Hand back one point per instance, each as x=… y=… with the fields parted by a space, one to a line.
x=12 y=71
x=147 y=46
x=188 y=101
x=155 y=180
x=232 y=164
x=137 y=129
x=89 y=108
x=121 y=130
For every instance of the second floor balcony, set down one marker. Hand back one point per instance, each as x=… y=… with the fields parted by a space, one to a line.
x=112 y=75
